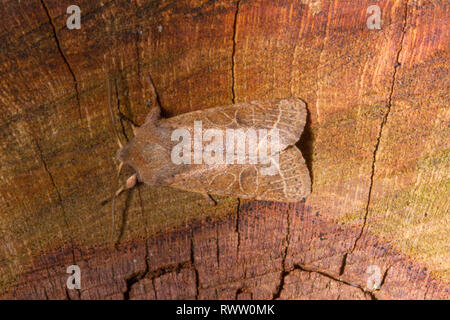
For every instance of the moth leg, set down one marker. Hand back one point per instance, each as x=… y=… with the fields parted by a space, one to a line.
x=134 y=128
x=130 y=183
x=210 y=199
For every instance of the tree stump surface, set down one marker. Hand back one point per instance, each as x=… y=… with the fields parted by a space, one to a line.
x=376 y=144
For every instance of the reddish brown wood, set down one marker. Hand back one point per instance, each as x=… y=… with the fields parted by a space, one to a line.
x=376 y=145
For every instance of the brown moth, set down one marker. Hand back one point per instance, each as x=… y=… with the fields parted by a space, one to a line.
x=213 y=134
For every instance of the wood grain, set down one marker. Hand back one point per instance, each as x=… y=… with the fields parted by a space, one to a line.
x=376 y=144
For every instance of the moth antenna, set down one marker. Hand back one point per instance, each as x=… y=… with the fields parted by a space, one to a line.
x=119 y=143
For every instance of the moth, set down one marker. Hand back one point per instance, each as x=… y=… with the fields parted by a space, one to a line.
x=210 y=151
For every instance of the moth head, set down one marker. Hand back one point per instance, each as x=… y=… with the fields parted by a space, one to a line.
x=147 y=157
x=129 y=155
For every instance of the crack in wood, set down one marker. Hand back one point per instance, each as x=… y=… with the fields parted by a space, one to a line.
x=137 y=42
x=368 y=293
x=153 y=275
x=383 y=279
x=156 y=96
x=66 y=290
x=59 y=196
x=233 y=54
x=130 y=282
x=192 y=261
x=116 y=88
x=242 y=289
x=378 y=141
x=63 y=55
x=127 y=119
x=238 y=209
x=283 y=272
x=343 y=264
x=217 y=246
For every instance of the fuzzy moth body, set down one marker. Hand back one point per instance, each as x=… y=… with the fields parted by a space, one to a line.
x=215 y=160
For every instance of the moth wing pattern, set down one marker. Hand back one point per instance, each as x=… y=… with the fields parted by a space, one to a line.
x=286 y=115
x=290 y=183
x=149 y=152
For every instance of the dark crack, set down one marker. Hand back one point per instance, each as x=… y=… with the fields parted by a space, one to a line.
x=426 y=292
x=116 y=88
x=59 y=196
x=52 y=180
x=152 y=275
x=46 y=294
x=368 y=293
x=130 y=282
x=284 y=273
x=192 y=261
x=127 y=119
x=343 y=264
x=170 y=269
x=238 y=292
x=155 y=93
x=233 y=54
x=63 y=55
x=217 y=246
x=137 y=42
x=380 y=133
x=339 y=58
x=146 y=273
x=383 y=280
x=67 y=294
x=154 y=288
x=138 y=55
x=238 y=221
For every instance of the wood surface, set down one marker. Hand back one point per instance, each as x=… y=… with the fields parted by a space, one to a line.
x=376 y=144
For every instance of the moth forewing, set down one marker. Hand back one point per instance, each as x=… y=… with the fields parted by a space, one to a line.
x=244 y=150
